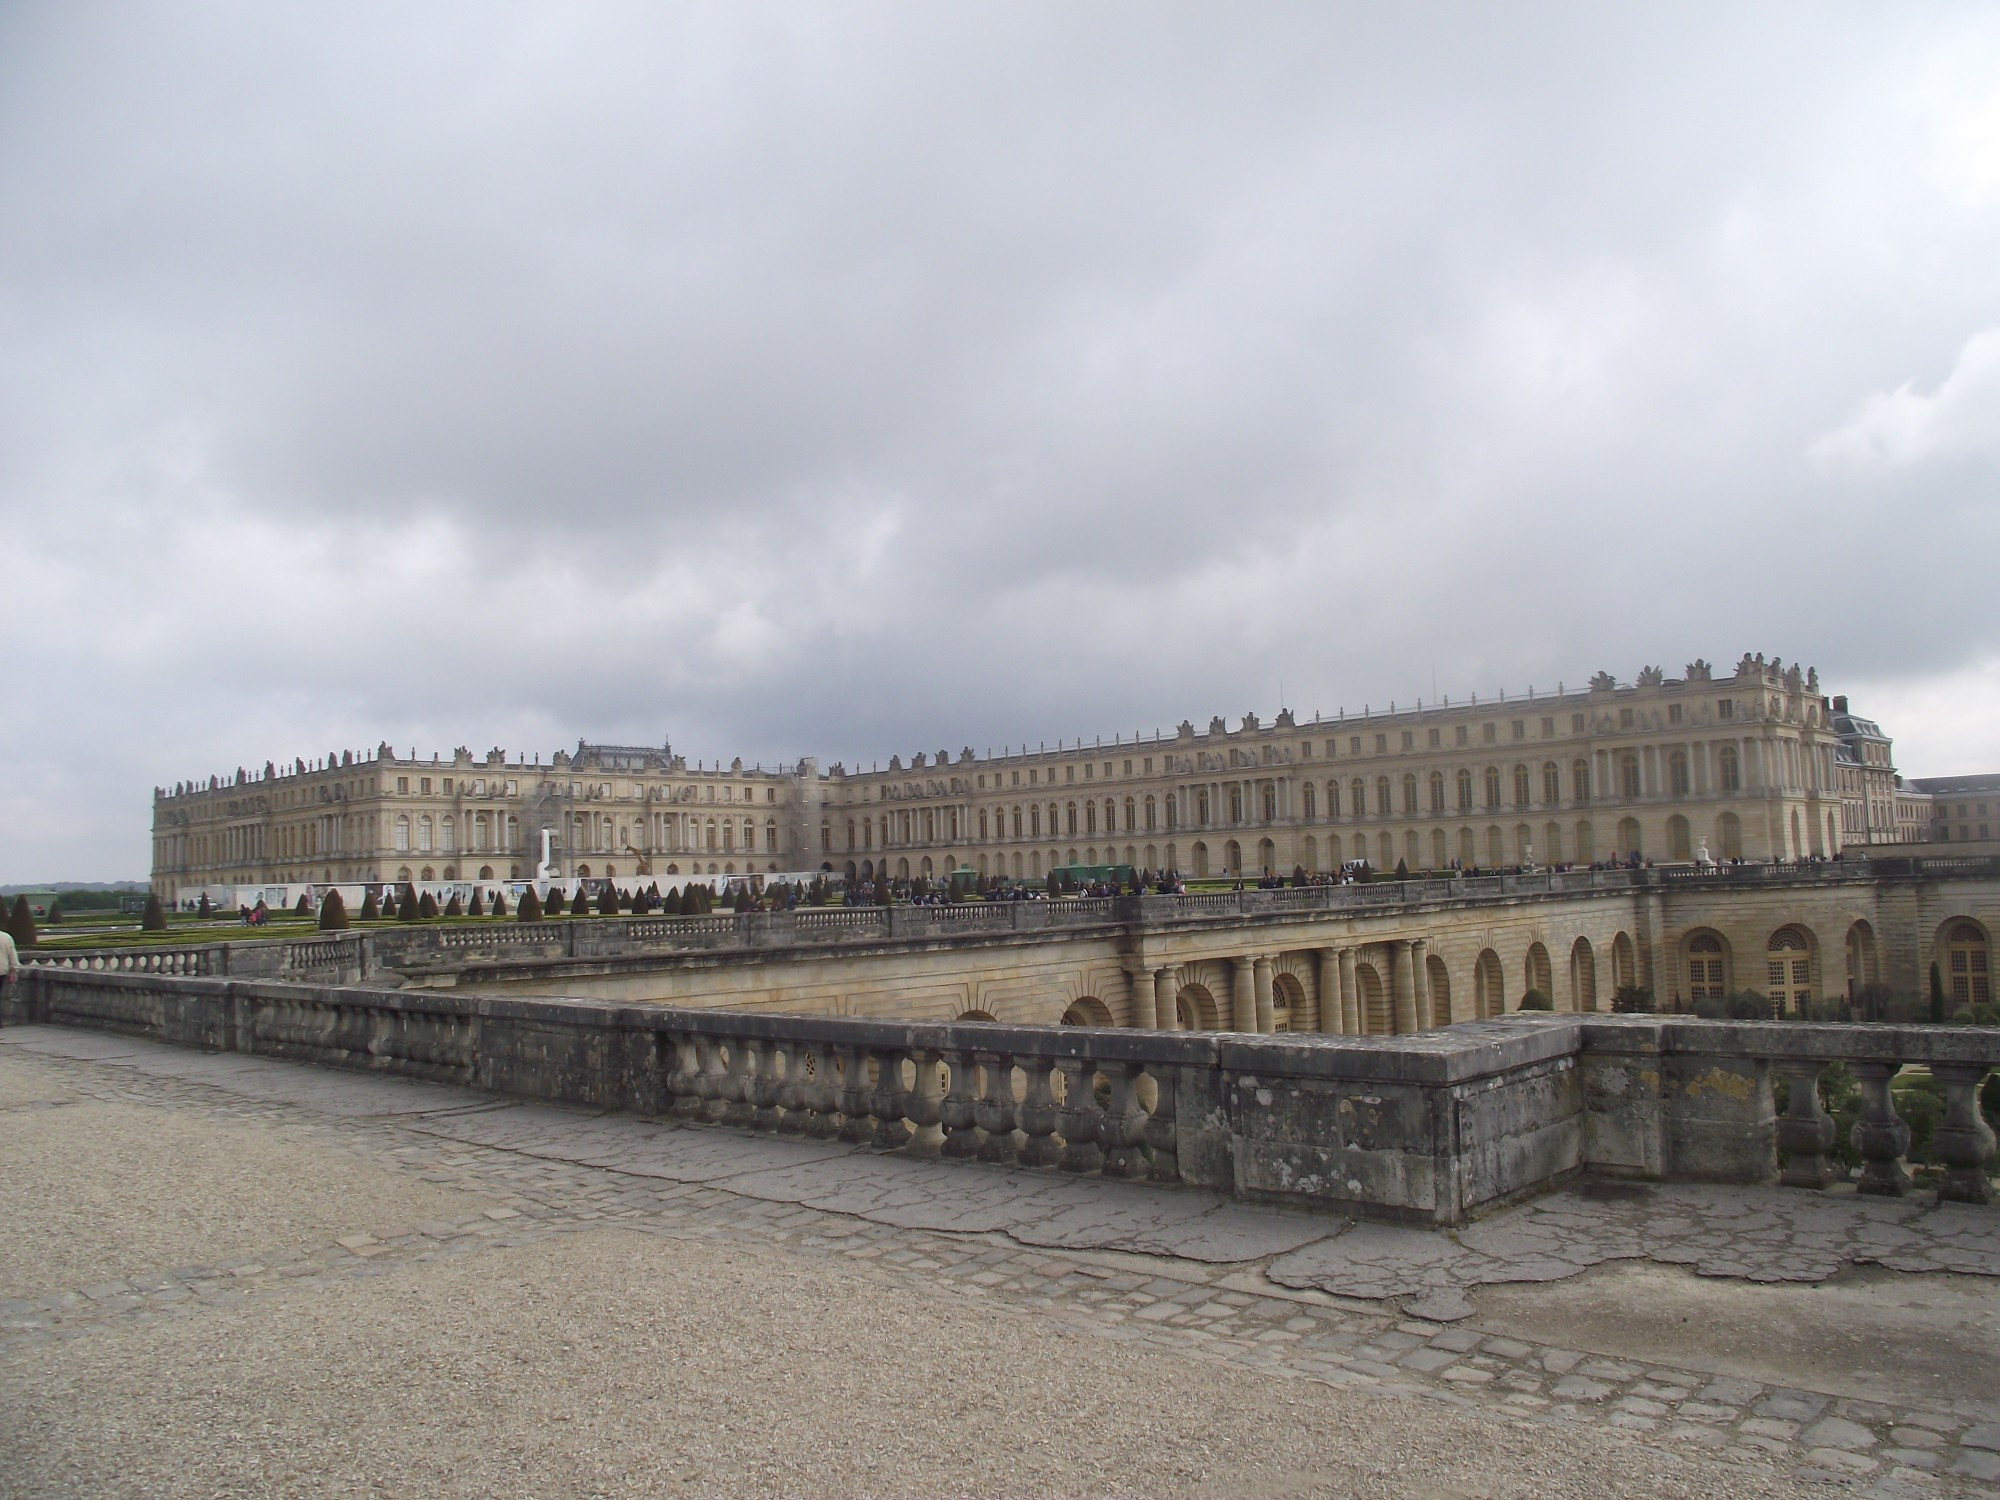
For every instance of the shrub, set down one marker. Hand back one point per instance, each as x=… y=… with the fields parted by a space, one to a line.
x=203 y=909
x=332 y=913
x=21 y=923
x=427 y=907
x=477 y=908
x=454 y=907
x=1537 y=1000
x=408 y=907
x=552 y=904
x=1748 y=1005
x=1402 y=869
x=304 y=907
x=388 y=905
x=1711 y=1008
x=530 y=909
x=371 y=910
x=55 y=914
x=607 y=901
x=500 y=903
x=155 y=919
x=1632 y=1000
x=1920 y=1101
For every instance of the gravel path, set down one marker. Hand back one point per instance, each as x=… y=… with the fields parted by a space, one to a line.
x=618 y=1363
x=91 y=1192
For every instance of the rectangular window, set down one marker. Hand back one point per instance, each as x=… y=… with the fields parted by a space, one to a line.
x=1624 y=718
x=403 y=784
x=1089 y=772
x=1409 y=740
x=424 y=785
x=1354 y=745
x=1435 y=739
x=447 y=785
x=1464 y=736
x=1488 y=733
x=1069 y=773
x=1017 y=778
x=1305 y=753
x=1576 y=723
x=982 y=783
x=1128 y=767
x=1149 y=765
x=513 y=788
x=1548 y=729
x=1673 y=713
x=1520 y=729
x=1726 y=709
x=1381 y=744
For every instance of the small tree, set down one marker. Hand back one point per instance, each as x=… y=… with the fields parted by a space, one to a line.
x=530 y=909
x=371 y=909
x=500 y=903
x=552 y=904
x=607 y=901
x=332 y=913
x=407 y=907
x=1402 y=869
x=477 y=907
x=55 y=914
x=427 y=907
x=1632 y=1000
x=1298 y=874
x=302 y=907
x=1537 y=1000
x=454 y=907
x=203 y=908
x=155 y=919
x=21 y=923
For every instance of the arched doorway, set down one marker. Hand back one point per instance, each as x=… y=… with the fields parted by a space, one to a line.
x=1372 y=996
x=1628 y=839
x=1582 y=976
x=1488 y=993
x=1440 y=986
x=1729 y=835
x=1863 y=967
x=1267 y=856
x=1087 y=1010
x=1288 y=1001
x=1537 y=971
x=1624 y=961
x=1200 y=860
x=1707 y=966
x=1967 y=965
x=1788 y=976
x=1232 y=858
x=1680 y=843
x=1195 y=1009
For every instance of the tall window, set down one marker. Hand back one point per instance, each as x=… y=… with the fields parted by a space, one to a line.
x=1235 y=804
x=1333 y=799
x=425 y=835
x=1677 y=773
x=1410 y=794
x=1382 y=807
x=1552 y=788
x=402 y=833
x=1465 y=793
x=1437 y=796
x=449 y=830
x=1729 y=769
x=1788 y=971
x=1705 y=967
x=982 y=825
x=1311 y=802
x=1966 y=962
x=1360 y=798
x=1151 y=811
x=1628 y=777
x=1579 y=780
x=770 y=836
x=1520 y=786
x=1201 y=810
x=1493 y=790
x=1270 y=804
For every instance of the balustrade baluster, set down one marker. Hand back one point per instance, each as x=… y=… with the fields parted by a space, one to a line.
x=737 y=1086
x=709 y=1081
x=961 y=1138
x=995 y=1109
x=795 y=1093
x=923 y=1104
x=1805 y=1130
x=765 y=1084
x=822 y=1094
x=888 y=1101
x=1963 y=1142
x=855 y=1088
x=1080 y=1116
x=1162 y=1128
x=1123 y=1126
x=1880 y=1136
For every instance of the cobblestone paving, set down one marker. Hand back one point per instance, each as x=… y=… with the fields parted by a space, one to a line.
x=1217 y=1280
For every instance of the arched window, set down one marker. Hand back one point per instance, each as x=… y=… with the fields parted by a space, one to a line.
x=1729 y=769
x=1409 y=794
x=1552 y=787
x=1493 y=788
x=1131 y=814
x=1332 y=799
x=1382 y=806
x=1235 y=803
x=1707 y=979
x=1270 y=803
x=513 y=832
x=1151 y=809
x=982 y=825
x=1966 y=965
x=1089 y=817
x=728 y=837
x=1677 y=773
x=1035 y=821
x=1311 y=801
x=1579 y=781
x=1628 y=777
x=1201 y=809
x=770 y=835
x=402 y=833
x=426 y=838
x=448 y=829
x=1359 y=800
x=1788 y=971
x=1520 y=786
x=1729 y=835
x=1679 y=838
x=1016 y=822
x=1437 y=794
x=1465 y=791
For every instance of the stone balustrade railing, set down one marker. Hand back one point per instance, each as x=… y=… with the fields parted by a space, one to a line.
x=1432 y=1127
x=500 y=940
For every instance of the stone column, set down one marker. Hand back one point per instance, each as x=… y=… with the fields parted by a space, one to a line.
x=1261 y=970
x=1405 y=987
x=1329 y=989
x=1350 y=994
x=1145 y=998
x=1243 y=996
x=1166 y=990
x=1420 y=982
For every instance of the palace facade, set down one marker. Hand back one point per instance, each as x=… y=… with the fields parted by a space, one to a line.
x=1752 y=764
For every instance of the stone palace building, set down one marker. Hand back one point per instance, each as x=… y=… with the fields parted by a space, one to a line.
x=1753 y=764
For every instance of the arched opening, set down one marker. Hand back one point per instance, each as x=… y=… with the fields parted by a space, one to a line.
x=974 y=1015
x=1200 y=861
x=851 y=872
x=1863 y=967
x=1310 y=854
x=1267 y=855
x=1788 y=977
x=1377 y=1016
x=1488 y=991
x=1680 y=840
x=1195 y=1008
x=1087 y=1010
x=583 y=872
x=1624 y=961
x=1967 y=965
x=486 y=872
x=1440 y=987
x=1628 y=839
x=924 y=867
x=1537 y=971
x=1729 y=835
x=1288 y=1000
x=902 y=869
x=1586 y=842
x=1232 y=858
x=1582 y=976
x=1707 y=966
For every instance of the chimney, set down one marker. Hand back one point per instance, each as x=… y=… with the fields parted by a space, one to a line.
x=1840 y=703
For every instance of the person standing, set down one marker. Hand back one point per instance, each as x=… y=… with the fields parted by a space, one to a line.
x=10 y=967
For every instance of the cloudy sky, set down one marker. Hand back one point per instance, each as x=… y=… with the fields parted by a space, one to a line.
x=845 y=380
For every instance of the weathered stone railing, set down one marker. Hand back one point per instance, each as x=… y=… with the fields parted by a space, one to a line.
x=1432 y=1127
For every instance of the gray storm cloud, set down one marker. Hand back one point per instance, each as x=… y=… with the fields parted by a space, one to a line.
x=854 y=381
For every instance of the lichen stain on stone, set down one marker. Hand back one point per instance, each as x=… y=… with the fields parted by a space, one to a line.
x=1721 y=1081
